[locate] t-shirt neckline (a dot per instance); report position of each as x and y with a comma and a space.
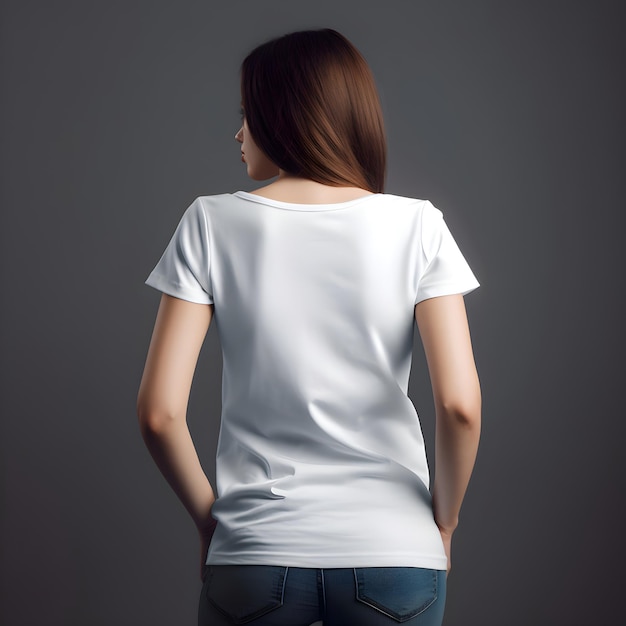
246, 195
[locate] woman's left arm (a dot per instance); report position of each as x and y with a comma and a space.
178, 335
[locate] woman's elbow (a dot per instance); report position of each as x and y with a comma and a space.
463, 410
153, 423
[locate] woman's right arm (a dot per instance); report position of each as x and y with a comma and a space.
443, 327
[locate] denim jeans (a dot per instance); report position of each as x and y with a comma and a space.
269, 595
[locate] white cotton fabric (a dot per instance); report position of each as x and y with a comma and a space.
320, 459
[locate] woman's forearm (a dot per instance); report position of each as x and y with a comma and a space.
456, 445
171, 446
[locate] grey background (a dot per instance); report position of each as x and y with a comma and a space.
115, 115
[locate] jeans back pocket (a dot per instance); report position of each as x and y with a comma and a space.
245, 592
399, 592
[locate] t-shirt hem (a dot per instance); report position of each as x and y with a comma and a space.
327, 562
162, 283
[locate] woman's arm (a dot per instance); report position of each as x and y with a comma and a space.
444, 330
179, 332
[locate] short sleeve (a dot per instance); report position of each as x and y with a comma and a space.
445, 271
183, 270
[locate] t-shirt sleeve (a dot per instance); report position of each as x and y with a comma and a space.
445, 271
183, 270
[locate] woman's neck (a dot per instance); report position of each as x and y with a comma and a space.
288, 188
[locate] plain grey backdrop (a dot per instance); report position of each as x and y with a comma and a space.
508, 116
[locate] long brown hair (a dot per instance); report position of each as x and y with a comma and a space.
312, 107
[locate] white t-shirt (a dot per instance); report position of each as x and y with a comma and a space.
320, 459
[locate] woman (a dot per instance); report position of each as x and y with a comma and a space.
315, 282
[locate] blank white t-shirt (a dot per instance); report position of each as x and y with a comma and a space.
320, 459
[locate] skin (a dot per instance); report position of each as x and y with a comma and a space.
179, 333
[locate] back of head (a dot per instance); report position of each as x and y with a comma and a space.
312, 107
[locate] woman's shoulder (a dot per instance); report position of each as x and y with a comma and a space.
215, 198
211, 203
410, 204
401, 199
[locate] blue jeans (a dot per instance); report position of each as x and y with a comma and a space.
269, 595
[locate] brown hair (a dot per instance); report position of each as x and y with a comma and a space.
312, 107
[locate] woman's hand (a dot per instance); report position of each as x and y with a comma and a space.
206, 534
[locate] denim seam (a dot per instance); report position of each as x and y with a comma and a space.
323, 592
282, 588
